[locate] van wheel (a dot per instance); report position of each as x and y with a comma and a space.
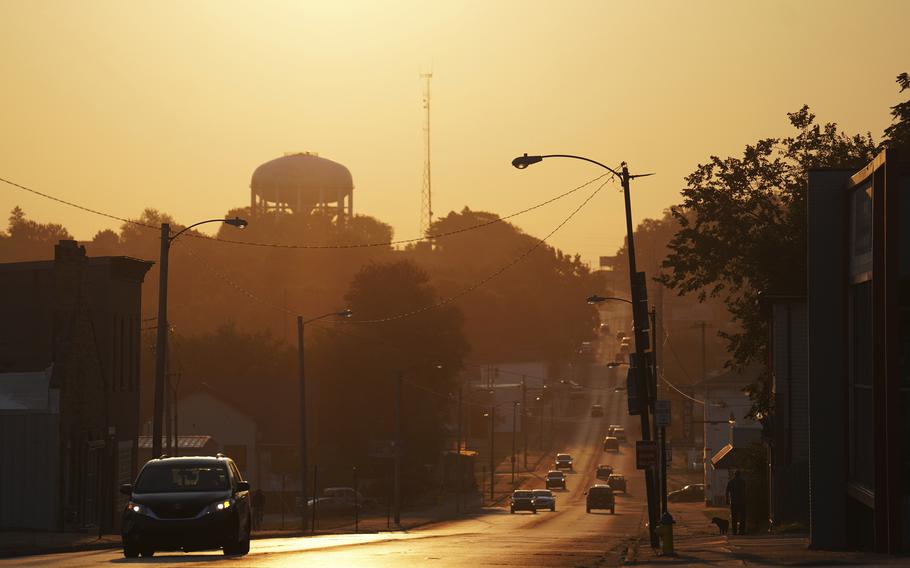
613, 510
553, 509
130, 551
148, 553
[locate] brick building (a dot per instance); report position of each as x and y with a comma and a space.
69, 388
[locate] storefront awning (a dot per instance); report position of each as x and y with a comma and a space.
728, 458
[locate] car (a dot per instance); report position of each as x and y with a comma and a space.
544, 499
563, 461
341, 501
600, 497
612, 428
617, 481
597, 411
620, 434
556, 478
522, 500
611, 444
187, 503
605, 328
604, 471
689, 494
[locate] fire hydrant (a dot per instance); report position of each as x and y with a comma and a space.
665, 531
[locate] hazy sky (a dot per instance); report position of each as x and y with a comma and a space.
124, 105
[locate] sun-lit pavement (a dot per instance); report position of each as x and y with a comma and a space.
568, 537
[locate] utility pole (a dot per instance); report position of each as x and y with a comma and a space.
524, 418
458, 472
492, 453
304, 464
640, 319
161, 341
704, 352
514, 425
662, 430
397, 486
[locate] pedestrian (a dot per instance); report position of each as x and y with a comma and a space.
736, 498
258, 507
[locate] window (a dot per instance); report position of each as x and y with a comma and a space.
861, 232
237, 453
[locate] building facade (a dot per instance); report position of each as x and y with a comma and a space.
70, 349
859, 355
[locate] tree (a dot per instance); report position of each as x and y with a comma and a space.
353, 367
29, 240
743, 228
897, 135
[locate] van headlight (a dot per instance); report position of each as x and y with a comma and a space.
221, 505
134, 507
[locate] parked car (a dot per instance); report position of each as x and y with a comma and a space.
556, 478
563, 461
341, 501
187, 503
544, 499
600, 497
522, 500
604, 471
611, 444
620, 434
617, 481
689, 494
597, 411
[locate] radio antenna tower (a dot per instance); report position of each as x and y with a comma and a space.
426, 194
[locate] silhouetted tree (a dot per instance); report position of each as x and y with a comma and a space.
29, 240
354, 367
897, 135
743, 228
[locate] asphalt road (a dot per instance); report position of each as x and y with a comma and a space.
568, 537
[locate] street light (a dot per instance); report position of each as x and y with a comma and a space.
304, 464
639, 313
161, 341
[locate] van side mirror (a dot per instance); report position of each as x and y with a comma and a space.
243, 486
126, 489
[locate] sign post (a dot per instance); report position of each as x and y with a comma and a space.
662, 420
646, 454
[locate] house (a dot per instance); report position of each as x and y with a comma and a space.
858, 347
205, 413
69, 388
727, 433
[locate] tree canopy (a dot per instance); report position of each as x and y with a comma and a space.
742, 227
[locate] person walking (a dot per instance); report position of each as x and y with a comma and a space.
736, 498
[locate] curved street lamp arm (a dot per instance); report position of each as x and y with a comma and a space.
598, 299
595, 162
185, 229
343, 313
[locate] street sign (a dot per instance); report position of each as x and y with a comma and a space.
646, 453
662, 413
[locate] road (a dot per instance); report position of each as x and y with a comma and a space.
568, 537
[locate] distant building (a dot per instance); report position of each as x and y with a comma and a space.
69, 389
726, 431
859, 351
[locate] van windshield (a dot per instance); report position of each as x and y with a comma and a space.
182, 477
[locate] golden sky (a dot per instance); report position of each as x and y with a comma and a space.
124, 105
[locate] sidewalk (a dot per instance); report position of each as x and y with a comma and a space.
697, 543
27, 543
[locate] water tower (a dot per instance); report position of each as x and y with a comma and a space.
302, 183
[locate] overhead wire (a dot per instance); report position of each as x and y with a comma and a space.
485, 280
314, 246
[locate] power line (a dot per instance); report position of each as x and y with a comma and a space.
485, 280
315, 246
